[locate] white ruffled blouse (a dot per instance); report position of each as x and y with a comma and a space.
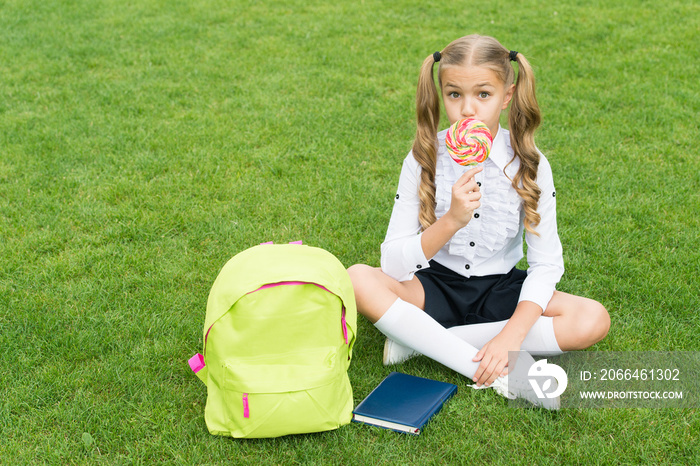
492, 242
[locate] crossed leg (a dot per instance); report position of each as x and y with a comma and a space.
397, 310
375, 291
578, 322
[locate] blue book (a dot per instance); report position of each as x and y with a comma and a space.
404, 403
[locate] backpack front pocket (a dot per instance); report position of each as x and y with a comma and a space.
298, 392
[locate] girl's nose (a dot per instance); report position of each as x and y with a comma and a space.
467, 108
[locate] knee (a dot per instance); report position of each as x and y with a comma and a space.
358, 273
360, 276
595, 322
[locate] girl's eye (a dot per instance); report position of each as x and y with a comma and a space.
454, 95
484, 94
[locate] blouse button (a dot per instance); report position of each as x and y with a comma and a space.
476, 215
467, 267
472, 244
397, 196
478, 183
419, 266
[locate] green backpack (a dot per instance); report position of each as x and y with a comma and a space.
278, 336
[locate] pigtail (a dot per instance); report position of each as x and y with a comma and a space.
424, 146
523, 120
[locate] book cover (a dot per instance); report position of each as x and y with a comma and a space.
403, 402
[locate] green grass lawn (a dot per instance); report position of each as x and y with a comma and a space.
144, 143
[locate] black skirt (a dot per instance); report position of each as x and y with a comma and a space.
453, 299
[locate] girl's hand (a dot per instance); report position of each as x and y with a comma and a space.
494, 358
465, 198
494, 354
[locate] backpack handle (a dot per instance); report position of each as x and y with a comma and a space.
291, 242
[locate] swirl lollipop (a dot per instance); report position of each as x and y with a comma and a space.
468, 141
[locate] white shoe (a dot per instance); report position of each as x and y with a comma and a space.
517, 385
394, 353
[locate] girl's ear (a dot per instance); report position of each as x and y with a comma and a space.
508, 96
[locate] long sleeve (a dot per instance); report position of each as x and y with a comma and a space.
402, 253
544, 252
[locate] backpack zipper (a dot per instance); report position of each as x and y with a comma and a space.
343, 322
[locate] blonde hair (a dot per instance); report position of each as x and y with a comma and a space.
523, 120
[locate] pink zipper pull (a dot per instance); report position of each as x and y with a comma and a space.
246, 409
196, 363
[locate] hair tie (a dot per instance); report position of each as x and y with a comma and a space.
437, 56
513, 55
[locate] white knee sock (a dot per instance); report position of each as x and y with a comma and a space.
540, 340
409, 326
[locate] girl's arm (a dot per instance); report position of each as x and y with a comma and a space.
402, 253
544, 251
406, 249
465, 200
546, 266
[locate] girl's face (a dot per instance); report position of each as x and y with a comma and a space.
474, 92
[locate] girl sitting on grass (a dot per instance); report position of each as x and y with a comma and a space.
448, 287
